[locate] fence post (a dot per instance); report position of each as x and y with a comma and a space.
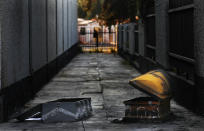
126, 37
122, 38
141, 38
119, 38
131, 38
199, 52
161, 20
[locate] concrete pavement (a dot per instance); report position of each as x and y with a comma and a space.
104, 78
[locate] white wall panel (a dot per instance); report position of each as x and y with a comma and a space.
65, 28
52, 33
75, 22
38, 37
69, 22
60, 27
33, 41
15, 41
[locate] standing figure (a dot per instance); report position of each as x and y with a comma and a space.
96, 36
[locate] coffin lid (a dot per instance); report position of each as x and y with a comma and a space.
154, 83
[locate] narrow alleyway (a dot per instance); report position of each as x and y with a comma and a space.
104, 78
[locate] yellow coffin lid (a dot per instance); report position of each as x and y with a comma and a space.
154, 83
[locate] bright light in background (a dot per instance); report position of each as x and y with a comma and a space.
137, 17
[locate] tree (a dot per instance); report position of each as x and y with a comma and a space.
119, 10
85, 5
112, 11
88, 9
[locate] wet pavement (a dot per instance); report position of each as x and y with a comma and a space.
104, 78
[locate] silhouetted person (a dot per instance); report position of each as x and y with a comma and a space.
96, 36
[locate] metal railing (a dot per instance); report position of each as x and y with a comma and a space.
136, 36
150, 31
181, 38
179, 3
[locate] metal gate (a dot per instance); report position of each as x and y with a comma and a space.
150, 30
107, 42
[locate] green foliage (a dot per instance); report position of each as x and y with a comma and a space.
112, 11
81, 13
85, 5
119, 10
132, 10
88, 9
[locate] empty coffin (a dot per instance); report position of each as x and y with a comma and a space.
63, 110
157, 106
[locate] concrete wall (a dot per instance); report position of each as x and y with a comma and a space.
60, 41
1, 98
199, 52
72, 22
34, 32
15, 41
0, 55
119, 37
124, 42
75, 22
72, 12
33, 43
132, 38
1, 13
69, 23
162, 7
65, 12
141, 38
38, 34
52, 29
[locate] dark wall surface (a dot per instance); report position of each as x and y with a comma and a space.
179, 48
34, 47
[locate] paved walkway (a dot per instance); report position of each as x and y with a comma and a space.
104, 78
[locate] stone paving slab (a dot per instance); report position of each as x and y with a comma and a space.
104, 78
38, 126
